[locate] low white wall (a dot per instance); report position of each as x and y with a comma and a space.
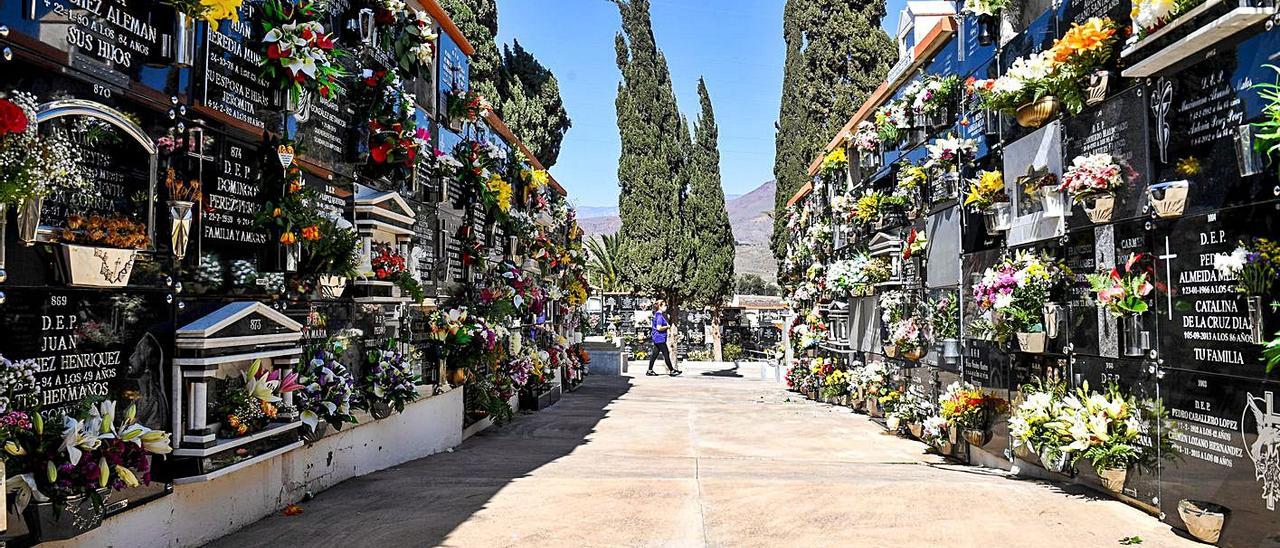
198, 513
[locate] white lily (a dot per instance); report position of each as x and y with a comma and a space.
75, 438
157, 442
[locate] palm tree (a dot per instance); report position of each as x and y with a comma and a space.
601, 269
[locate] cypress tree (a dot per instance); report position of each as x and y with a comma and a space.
478, 21
836, 55
711, 279
653, 240
531, 103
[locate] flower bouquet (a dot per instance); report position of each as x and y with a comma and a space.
1037, 426
300, 57
934, 100
1255, 268
33, 166
328, 388
910, 337
946, 156
986, 195
890, 121
466, 107
415, 45
970, 410
389, 382
872, 381
394, 138
866, 140
390, 265
1104, 428
835, 162
835, 386
248, 404
1012, 294
935, 432
945, 324
1122, 291
1093, 180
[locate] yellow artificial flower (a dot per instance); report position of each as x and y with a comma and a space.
221, 9
541, 178
836, 159
501, 191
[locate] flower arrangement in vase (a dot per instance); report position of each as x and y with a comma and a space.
394, 138
1012, 295
99, 251
867, 142
32, 165
389, 265
467, 107
1122, 291
890, 121
415, 44
934, 99
945, 324
1035, 87
389, 382
249, 403
321, 246
300, 57
986, 195
835, 162
910, 337
987, 12
1254, 267
1093, 180
970, 411
1104, 428
209, 11
182, 199
946, 156
325, 399
1036, 425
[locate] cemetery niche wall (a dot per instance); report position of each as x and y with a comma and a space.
210, 259
1106, 174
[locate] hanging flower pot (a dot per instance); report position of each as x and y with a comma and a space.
998, 218
1036, 113
1168, 199
312, 435
180, 227
1257, 333
915, 354
1204, 520
873, 407
1100, 208
953, 434
1113, 479
87, 266
29, 219
1058, 462
893, 422
977, 438
916, 429
951, 351
1098, 84
1052, 202
331, 287
943, 446
890, 350
1051, 319
988, 29
1031, 343
1135, 339
380, 410
51, 521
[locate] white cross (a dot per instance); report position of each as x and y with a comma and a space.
1168, 276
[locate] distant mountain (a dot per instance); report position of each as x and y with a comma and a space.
750, 215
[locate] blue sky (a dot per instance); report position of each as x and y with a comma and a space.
736, 45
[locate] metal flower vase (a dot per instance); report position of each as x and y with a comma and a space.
1257, 329
29, 219
1099, 83
312, 435
60, 521
292, 256
998, 218
180, 213
380, 410
988, 29
1136, 339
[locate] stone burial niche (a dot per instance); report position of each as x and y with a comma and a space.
385, 221
229, 411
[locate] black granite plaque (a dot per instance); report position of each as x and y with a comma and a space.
1227, 433
233, 198
1117, 127
1135, 378
325, 135
231, 80
1204, 322
117, 164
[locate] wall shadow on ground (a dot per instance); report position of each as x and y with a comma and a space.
421, 502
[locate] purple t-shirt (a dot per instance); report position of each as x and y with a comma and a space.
659, 319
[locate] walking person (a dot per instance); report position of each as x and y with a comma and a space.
660, 327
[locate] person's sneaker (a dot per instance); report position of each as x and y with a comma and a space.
650, 373
676, 373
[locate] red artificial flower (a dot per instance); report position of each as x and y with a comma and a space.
12, 118
379, 153
396, 127
307, 34
273, 52
324, 42
410, 150
324, 91
300, 77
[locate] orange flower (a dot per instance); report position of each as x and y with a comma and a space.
1084, 38
295, 185
292, 510
288, 238
311, 233
277, 212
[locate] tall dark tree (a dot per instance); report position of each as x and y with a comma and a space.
836, 55
711, 276
654, 237
531, 103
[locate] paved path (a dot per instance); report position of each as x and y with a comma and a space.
714, 458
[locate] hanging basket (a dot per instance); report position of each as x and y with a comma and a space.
1100, 209
977, 438
1204, 520
60, 521
1113, 479
1168, 199
1031, 343
1036, 113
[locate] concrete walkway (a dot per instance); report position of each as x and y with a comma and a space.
714, 458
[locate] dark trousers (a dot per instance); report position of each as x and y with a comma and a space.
660, 347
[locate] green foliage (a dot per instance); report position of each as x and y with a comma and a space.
836, 55
478, 21
531, 104
711, 280
654, 241
753, 284
1271, 353
732, 352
